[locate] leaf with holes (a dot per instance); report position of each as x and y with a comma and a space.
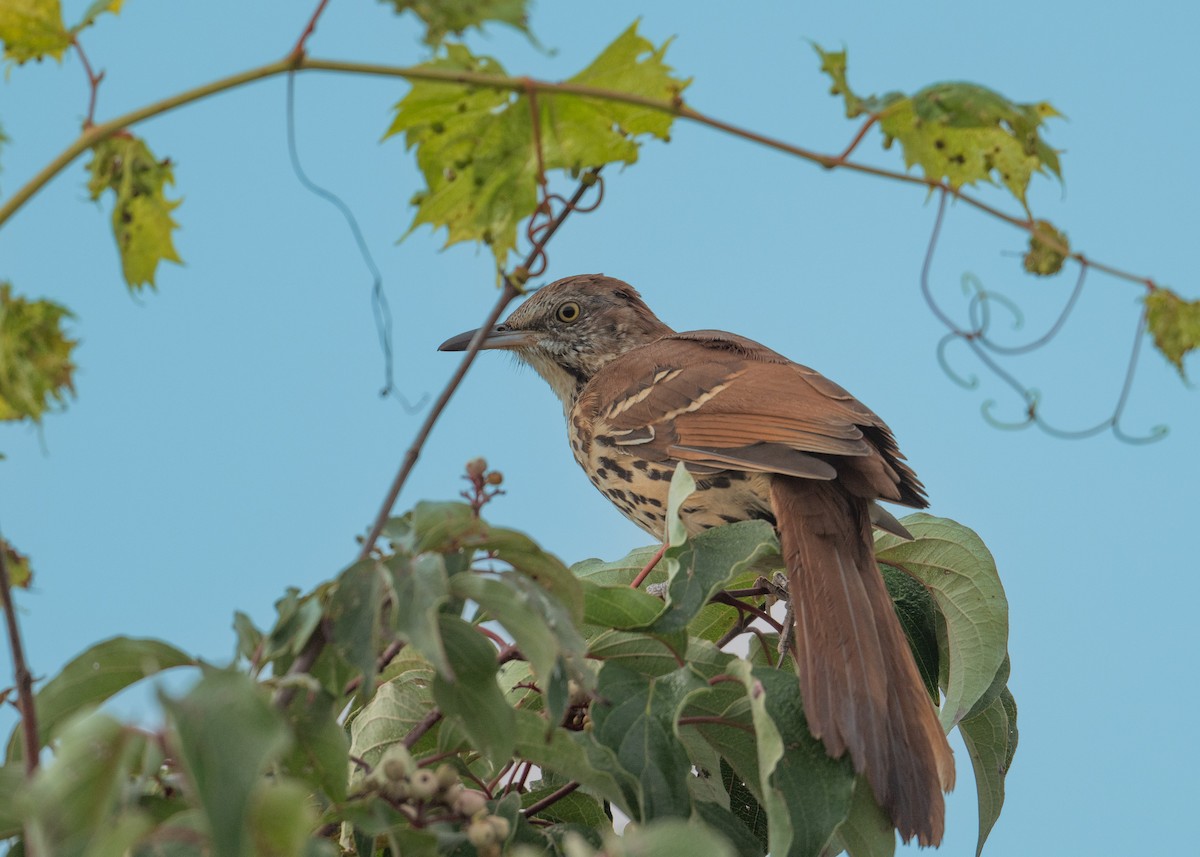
36, 372
445, 17
1175, 325
96, 675
32, 29
141, 218
476, 146
1048, 249
991, 739
957, 568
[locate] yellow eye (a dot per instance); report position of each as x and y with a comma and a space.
568, 312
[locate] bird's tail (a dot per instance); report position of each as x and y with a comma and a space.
858, 681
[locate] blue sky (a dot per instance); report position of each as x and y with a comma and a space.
228, 441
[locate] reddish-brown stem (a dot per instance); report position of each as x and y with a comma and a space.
645, 572
858, 138
21, 673
493, 636
719, 721
297, 53
417, 732
500, 775
550, 799
381, 663
93, 80
762, 641
722, 598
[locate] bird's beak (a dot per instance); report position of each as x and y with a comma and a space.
498, 337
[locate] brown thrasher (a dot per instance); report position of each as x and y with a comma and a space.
769, 439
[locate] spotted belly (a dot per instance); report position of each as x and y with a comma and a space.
639, 487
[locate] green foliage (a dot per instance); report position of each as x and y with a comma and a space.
477, 150
1048, 249
991, 739
36, 371
443, 17
1175, 325
141, 218
32, 29
20, 573
960, 132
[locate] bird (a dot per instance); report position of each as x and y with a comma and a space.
768, 439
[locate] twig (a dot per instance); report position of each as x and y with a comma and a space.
381, 663
417, 732
550, 799
858, 138
21, 673
93, 82
298, 51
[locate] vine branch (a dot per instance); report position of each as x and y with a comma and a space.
21, 674
93, 80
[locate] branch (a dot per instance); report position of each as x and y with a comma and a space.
93, 82
676, 107
22, 676
550, 799
297, 53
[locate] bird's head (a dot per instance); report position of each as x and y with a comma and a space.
567, 331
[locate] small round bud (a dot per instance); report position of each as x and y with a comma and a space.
500, 825
449, 795
394, 768
476, 467
446, 775
495, 477
469, 802
397, 790
422, 784
480, 833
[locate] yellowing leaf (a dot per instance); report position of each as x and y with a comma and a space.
443, 17
1045, 258
32, 29
1175, 325
17, 565
35, 357
142, 223
475, 146
98, 8
960, 132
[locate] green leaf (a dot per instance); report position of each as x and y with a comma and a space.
476, 149
13, 789
443, 17
142, 222
474, 690
960, 132
957, 568
32, 29
573, 808
619, 606
621, 571
745, 806
635, 716
297, 618
94, 676
806, 793
576, 756
642, 653
991, 739
397, 706
281, 816
227, 734
422, 587
20, 575
669, 838
916, 610
539, 626
704, 565
94, 11
1175, 325
36, 372
249, 638
731, 828
867, 831
354, 613
1048, 249
319, 751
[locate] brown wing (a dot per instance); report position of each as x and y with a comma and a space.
719, 401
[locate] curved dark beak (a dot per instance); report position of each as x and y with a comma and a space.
498, 337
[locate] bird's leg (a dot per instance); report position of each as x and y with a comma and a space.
778, 587
644, 573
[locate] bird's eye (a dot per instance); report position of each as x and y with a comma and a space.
568, 312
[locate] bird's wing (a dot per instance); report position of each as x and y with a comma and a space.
720, 401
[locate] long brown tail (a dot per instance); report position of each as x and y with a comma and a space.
859, 683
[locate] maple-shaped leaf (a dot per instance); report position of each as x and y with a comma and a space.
98, 8
1175, 325
1048, 249
142, 222
960, 132
443, 17
17, 565
475, 145
32, 29
35, 356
